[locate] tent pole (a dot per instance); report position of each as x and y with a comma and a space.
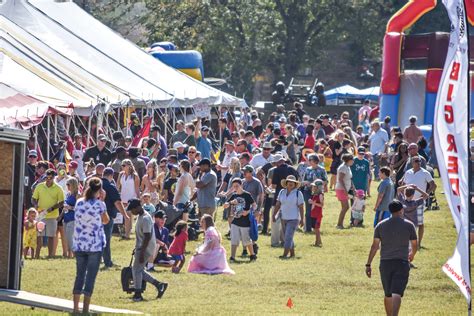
48, 126
166, 124
55, 125
89, 126
36, 136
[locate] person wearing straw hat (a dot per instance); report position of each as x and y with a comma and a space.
290, 207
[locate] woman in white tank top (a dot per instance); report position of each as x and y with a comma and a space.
128, 185
184, 186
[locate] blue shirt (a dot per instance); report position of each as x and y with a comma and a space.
89, 233
204, 146
162, 235
163, 150
112, 195
71, 201
386, 187
360, 173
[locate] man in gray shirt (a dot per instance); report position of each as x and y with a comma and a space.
253, 186
394, 236
144, 249
386, 193
207, 187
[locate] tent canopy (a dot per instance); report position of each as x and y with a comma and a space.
100, 52
24, 111
348, 91
50, 66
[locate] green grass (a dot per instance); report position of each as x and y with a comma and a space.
328, 280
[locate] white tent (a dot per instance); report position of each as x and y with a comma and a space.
19, 44
31, 79
106, 55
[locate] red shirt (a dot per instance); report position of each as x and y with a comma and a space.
178, 246
316, 211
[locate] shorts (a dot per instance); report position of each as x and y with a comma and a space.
357, 215
50, 228
182, 207
394, 275
419, 215
341, 195
207, 210
316, 222
238, 234
380, 216
178, 257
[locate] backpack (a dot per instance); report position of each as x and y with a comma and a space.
253, 226
127, 278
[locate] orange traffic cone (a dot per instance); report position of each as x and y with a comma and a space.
289, 303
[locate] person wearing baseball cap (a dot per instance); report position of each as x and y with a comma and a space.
114, 205
162, 241
360, 170
72, 168
100, 153
206, 188
203, 143
144, 249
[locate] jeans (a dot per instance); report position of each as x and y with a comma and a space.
267, 206
138, 272
106, 253
87, 266
307, 197
376, 159
289, 229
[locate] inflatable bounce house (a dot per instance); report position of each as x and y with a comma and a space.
186, 61
413, 92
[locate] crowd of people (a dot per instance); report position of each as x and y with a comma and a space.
270, 174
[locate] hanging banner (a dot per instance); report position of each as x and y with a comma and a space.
202, 110
451, 141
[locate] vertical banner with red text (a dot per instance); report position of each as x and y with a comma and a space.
451, 141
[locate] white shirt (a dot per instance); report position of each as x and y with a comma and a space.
290, 204
347, 181
259, 161
358, 205
377, 141
227, 158
421, 179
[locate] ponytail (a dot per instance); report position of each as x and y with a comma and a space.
94, 185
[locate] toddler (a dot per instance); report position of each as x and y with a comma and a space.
358, 208
147, 205
178, 246
30, 233
317, 202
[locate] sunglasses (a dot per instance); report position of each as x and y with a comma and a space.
191, 152
417, 161
267, 149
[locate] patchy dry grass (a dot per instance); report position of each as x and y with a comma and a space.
328, 280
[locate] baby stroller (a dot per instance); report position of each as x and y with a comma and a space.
193, 221
173, 215
432, 202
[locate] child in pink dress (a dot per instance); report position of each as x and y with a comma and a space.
210, 257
